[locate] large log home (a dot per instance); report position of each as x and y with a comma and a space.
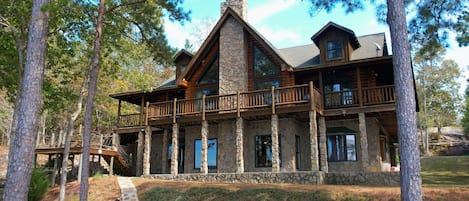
240, 105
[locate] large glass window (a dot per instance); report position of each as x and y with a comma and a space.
263, 150
341, 148
210, 75
263, 66
211, 154
334, 49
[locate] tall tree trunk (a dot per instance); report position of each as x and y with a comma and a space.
22, 150
411, 183
92, 85
20, 41
68, 138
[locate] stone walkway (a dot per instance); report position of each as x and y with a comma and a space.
128, 190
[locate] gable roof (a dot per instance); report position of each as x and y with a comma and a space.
182, 53
331, 25
215, 33
373, 45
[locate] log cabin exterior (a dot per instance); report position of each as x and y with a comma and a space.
241, 105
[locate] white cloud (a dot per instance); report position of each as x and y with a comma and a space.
258, 14
175, 33
280, 36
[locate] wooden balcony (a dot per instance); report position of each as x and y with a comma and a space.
269, 101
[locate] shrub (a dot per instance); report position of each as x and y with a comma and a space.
39, 184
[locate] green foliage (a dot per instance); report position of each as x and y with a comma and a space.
433, 22
465, 119
429, 28
39, 184
437, 89
221, 194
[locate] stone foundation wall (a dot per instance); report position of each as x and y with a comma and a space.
364, 178
300, 177
250, 177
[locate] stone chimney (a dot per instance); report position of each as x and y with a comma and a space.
239, 6
233, 75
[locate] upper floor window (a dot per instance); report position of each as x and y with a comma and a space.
334, 49
263, 66
210, 76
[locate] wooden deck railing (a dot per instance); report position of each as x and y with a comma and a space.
239, 102
130, 120
379, 95
263, 99
350, 98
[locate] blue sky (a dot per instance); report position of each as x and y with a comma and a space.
287, 23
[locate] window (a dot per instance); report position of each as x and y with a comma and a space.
210, 76
207, 92
334, 49
263, 149
341, 148
211, 154
266, 84
263, 66
338, 94
266, 73
297, 151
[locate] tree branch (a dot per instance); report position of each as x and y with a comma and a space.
123, 5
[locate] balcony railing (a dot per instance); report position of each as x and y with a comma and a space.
239, 102
130, 120
379, 95
275, 98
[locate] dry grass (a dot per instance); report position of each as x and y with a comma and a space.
337, 192
100, 189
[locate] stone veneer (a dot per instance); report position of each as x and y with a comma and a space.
314, 177
239, 6
372, 162
232, 59
300, 177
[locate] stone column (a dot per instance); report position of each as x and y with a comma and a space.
313, 140
175, 146
323, 145
275, 146
164, 152
239, 145
363, 142
147, 151
111, 166
138, 166
204, 150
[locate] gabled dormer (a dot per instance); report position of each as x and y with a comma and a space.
336, 43
181, 60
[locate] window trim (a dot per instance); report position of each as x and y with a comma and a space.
341, 46
345, 147
216, 154
267, 78
256, 165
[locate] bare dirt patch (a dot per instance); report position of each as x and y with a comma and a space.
102, 188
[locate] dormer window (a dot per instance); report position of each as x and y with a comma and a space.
334, 49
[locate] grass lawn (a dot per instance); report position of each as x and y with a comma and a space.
445, 171
444, 178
